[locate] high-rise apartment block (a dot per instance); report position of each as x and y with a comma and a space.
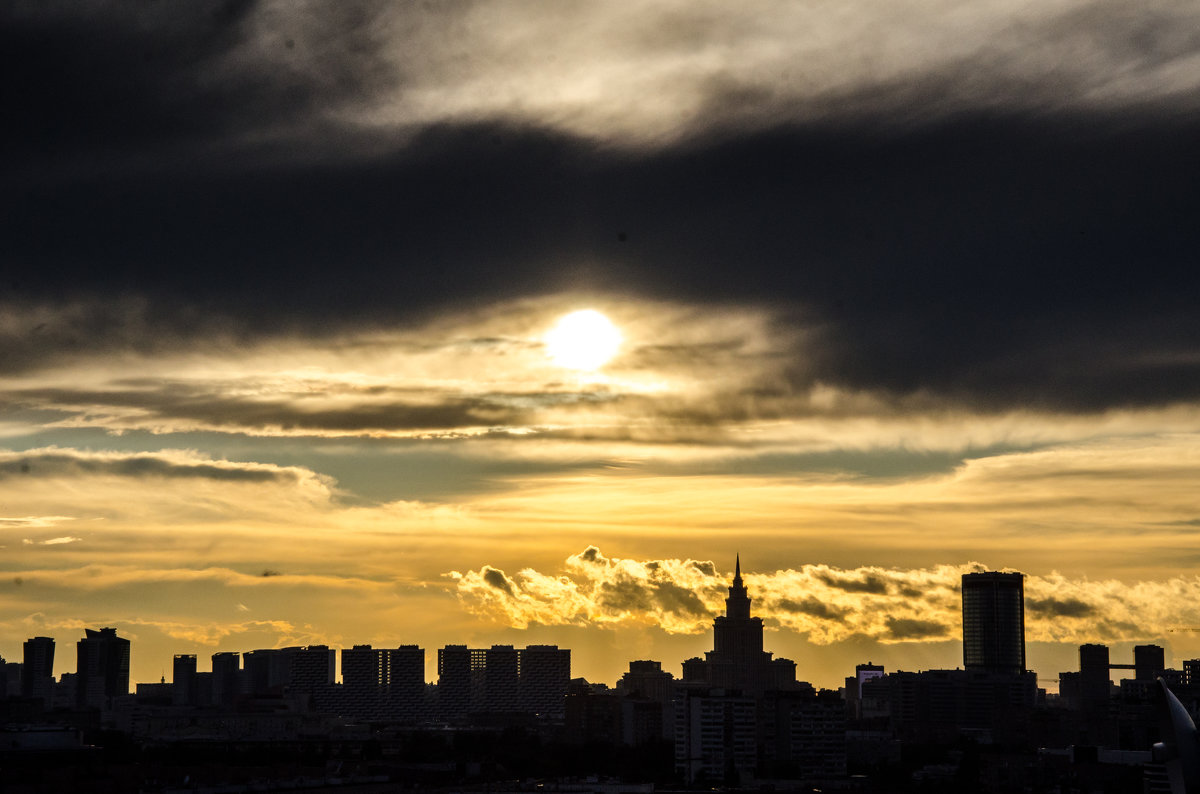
383, 682
503, 680
544, 672
226, 675
1149, 661
37, 669
715, 736
183, 679
102, 670
310, 667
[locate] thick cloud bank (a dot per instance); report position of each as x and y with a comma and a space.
825, 604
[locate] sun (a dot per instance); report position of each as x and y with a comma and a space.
584, 340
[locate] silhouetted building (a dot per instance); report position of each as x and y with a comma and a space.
37, 669
646, 710
737, 660
854, 684
102, 669
1191, 672
271, 672
454, 683
939, 706
803, 736
158, 693
502, 683
496, 675
1095, 683
266, 671
406, 666
592, 713
716, 735
310, 668
383, 683
993, 607
10, 679
226, 669
545, 671
183, 679
1149, 661
646, 679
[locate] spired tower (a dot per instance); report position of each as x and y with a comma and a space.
737, 637
737, 660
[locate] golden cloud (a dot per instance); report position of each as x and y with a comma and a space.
824, 604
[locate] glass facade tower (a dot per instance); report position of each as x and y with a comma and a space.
993, 607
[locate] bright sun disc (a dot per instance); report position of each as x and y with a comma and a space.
585, 339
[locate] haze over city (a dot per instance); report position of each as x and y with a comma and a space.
291, 352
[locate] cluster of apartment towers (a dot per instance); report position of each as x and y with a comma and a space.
377, 683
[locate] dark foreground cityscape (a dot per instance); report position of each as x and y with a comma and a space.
513, 719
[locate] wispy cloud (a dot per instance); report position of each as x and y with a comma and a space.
53, 462
110, 576
33, 521
362, 67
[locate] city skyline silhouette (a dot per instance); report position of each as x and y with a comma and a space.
739, 716
357, 323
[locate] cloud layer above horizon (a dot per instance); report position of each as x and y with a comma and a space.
821, 603
901, 288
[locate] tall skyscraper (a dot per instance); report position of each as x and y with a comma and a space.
406, 665
37, 669
1149, 661
226, 666
102, 670
1095, 682
545, 672
993, 607
497, 674
454, 682
183, 679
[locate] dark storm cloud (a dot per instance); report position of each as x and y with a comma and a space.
90, 80
991, 257
134, 84
992, 264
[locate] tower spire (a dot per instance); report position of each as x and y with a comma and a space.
738, 603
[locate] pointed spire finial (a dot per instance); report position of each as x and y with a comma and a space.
737, 605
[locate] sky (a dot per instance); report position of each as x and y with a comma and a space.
903, 290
